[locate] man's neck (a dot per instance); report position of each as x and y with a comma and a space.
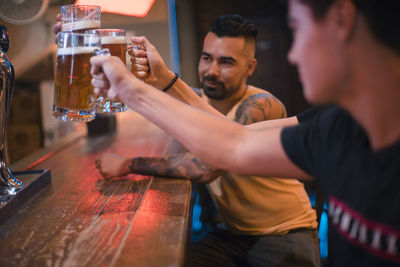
374, 98
225, 105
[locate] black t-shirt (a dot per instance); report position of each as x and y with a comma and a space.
362, 187
308, 114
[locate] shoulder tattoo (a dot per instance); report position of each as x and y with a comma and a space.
258, 107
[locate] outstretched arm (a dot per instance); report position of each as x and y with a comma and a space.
214, 139
186, 165
148, 65
183, 165
280, 123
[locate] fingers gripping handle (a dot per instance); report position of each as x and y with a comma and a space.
100, 52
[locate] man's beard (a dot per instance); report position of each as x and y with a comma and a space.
218, 92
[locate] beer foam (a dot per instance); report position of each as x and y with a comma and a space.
113, 40
81, 25
91, 39
75, 50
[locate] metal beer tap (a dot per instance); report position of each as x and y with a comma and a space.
13, 193
9, 185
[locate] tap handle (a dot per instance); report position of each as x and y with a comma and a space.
9, 73
4, 40
9, 92
9, 185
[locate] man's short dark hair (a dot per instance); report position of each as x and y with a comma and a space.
234, 26
381, 16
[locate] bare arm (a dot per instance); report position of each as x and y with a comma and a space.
184, 165
216, 140
284, 122
148, 65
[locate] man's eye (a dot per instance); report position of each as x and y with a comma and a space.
229, 63
207, 59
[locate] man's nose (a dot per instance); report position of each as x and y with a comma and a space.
213, 69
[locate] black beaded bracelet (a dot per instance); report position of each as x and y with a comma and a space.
172, 82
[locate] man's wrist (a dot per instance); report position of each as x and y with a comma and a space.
166, 80
171, 83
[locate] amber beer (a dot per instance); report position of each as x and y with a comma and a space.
114, 40
73, 93
74, 99
116, 44
117, 47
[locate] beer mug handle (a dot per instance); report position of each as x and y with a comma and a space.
100, 52
139, 74
131, 46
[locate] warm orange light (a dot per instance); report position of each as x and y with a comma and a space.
137, 8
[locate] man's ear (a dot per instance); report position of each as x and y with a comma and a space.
345, 15
252, 66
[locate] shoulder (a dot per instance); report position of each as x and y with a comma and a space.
323, 132
259, 105
334, 120
324, 144
328, 122
309, 113
306, 143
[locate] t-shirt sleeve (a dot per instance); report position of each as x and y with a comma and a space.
295, 143
308, 114
311, 144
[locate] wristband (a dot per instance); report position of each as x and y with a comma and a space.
171, 83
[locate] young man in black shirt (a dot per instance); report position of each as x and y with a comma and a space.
348, 54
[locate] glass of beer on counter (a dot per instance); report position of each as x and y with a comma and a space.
114, 40
78, 18
74, 99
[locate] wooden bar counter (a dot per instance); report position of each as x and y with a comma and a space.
82, 219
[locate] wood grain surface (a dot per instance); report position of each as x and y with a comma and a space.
82, 219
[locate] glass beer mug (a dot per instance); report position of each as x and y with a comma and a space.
74, 99
78, 18
114, 40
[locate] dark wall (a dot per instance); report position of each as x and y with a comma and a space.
24, 131
273, 72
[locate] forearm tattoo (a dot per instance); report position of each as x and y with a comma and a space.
184, 165
255, 108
